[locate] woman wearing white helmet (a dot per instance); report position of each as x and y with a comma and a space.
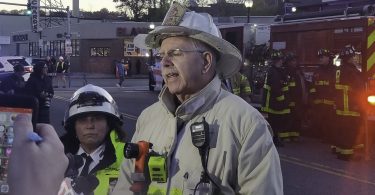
93, 124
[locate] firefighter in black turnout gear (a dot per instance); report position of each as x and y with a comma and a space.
322, 98
297, 95
349, 87
275, 103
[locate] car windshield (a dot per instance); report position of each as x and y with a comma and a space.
18, 61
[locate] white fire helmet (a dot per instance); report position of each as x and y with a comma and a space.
91, 98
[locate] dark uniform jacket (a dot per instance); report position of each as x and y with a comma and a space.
42, 89
275, 91
13, 84
323, 87
297, 87
349, 90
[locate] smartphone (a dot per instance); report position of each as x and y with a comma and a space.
10, 107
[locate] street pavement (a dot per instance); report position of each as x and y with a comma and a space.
108, 81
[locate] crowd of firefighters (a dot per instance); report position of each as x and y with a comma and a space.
330, 104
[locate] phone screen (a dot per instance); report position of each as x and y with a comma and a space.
7, 117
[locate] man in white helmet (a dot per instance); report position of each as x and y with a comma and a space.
211, 141
93, 125
61, 69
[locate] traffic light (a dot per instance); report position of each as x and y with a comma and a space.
28, 11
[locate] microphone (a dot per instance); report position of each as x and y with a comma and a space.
85, 184
75, 162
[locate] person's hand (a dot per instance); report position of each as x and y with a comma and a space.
36, 168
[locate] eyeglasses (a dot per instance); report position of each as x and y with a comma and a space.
175, 53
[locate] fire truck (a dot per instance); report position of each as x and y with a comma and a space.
306, 36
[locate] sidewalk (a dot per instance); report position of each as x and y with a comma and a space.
77, 80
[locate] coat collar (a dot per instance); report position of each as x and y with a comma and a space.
196, 104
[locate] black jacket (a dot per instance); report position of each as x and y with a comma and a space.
13, 84
41, 88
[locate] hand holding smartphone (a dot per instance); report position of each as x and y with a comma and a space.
10, 107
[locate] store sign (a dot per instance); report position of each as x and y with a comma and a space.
68, 47
18, 38
35, 15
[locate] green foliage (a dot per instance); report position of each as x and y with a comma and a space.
135, 9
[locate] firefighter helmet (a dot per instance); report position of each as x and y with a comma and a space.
277, 55
325, 52
290, 56
347, 51
89, 99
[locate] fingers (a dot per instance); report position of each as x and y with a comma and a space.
48, 133
22, 126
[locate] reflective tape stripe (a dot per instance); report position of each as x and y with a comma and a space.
294, 134
292, 84
283, 135
324, 101
328, 102
359, 146
286, 88
267, 108
158, 190
292, 104
247, 89
370, 41
346, 111
346, 151
322, 83
236, 91
312, 90
272, 111
338, 76
280, 98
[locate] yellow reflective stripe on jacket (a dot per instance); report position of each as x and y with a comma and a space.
359, 146
247, 89
286, 88
324, 101
158, 190
236, 91
312, 90
294, 134
280, 98
292, 84
105, 176
272, 111
283, 135
338, 76
267, 107
346, 151
292, 104
346, 111
322, 83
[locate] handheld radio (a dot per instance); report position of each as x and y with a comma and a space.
200, 134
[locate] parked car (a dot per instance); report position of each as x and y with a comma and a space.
156, 81
33, 61
7, 63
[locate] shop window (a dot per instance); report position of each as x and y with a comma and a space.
100, 51
75, 47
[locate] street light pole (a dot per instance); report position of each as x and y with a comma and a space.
248, 5
248, 15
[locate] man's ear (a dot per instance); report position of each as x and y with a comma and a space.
208, 59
